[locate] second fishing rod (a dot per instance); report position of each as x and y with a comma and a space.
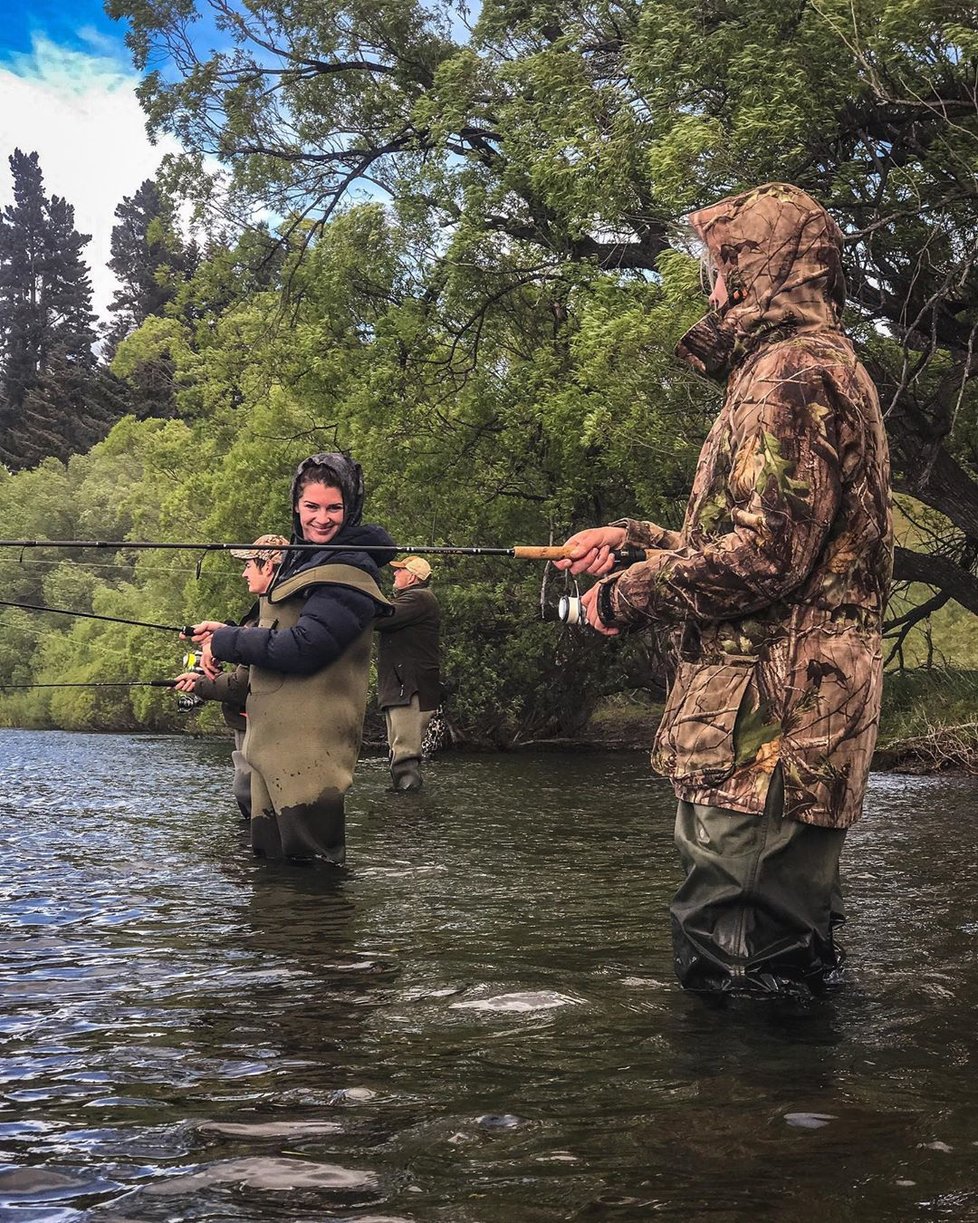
190, 659
527, 552
185, 630
569, 608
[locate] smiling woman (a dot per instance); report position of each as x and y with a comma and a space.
320, 510
308, 659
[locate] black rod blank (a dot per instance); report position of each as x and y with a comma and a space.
64, 611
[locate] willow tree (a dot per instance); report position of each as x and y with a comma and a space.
491, 458
555, 144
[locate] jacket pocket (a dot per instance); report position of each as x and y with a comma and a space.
695, 741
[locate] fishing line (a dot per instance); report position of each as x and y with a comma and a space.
128, 565
129, 683
42, 636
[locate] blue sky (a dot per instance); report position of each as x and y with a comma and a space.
67, 90
79, 26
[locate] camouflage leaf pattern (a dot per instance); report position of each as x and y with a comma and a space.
776, 585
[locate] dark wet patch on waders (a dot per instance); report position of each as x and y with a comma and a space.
303, 830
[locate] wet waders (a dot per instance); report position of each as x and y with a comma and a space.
761, 898
406, 725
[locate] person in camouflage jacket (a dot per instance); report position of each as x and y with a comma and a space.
774, 590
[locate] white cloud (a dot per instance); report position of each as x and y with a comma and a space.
79, 112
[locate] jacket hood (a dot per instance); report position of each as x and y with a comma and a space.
780, 254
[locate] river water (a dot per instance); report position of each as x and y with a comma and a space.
478, 1024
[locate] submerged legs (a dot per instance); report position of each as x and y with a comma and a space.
759, 903
241, 785
301, 832
406, 725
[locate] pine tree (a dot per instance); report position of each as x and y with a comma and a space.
67, 288
149, 258
22, 259
54, 398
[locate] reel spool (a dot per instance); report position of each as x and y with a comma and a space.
570, 610
187, 701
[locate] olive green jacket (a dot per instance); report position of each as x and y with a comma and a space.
775, 586
230, 687
407, 650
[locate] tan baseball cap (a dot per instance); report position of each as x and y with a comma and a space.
265, 548
416, 565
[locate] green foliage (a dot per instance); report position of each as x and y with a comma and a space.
566, 425
916, 701
151, 261
494, 340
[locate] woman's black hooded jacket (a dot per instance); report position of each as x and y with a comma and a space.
333, 616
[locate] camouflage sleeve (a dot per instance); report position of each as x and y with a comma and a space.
647, 534
781, 496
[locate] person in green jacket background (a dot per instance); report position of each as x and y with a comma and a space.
408, 668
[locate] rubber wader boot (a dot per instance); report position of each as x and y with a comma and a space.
314, 830
301, 833
760, 901
406, 774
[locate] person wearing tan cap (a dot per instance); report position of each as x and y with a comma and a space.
261, 560
408, 679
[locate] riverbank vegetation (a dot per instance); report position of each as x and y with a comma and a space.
473, 280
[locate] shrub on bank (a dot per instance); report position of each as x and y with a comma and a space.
929, 721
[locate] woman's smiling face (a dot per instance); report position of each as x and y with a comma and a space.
321, 512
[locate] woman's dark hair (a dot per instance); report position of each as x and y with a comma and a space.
335, 471
316, 473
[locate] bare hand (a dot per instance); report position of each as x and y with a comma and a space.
589, 601
203, 631
592, 551
209, 664
186, 682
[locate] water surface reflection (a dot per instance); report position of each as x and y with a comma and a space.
477, 1023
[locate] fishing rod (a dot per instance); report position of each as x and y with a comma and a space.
186, 701
131, 683
186, 630
527, 552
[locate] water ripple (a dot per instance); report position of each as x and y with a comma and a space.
478, 1023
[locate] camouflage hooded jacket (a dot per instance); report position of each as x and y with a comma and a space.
776, 584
